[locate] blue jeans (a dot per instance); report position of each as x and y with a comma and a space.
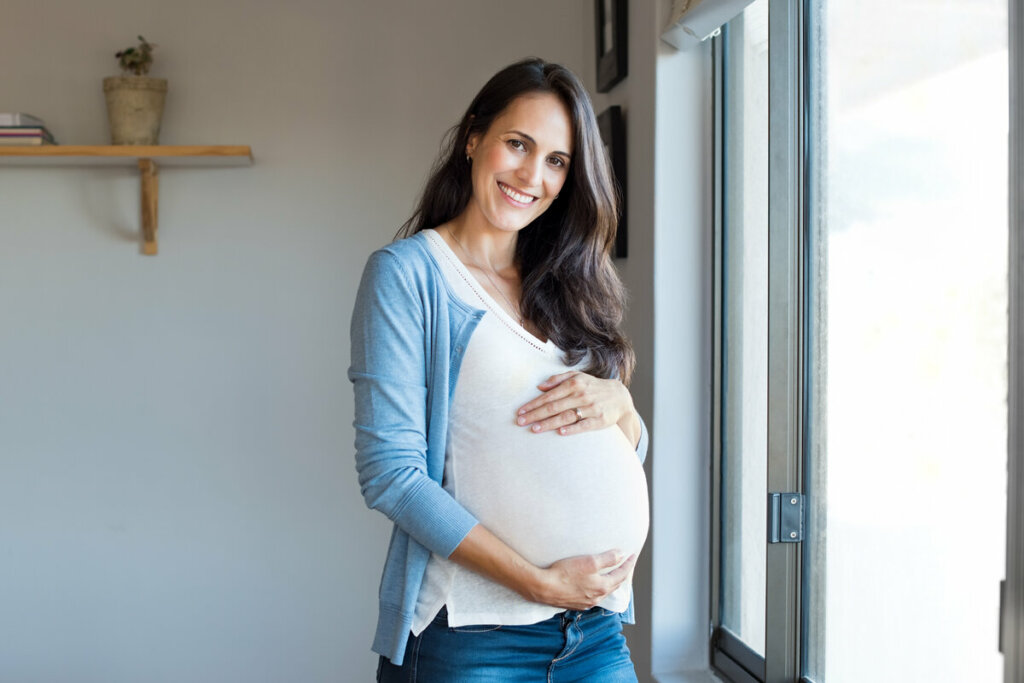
571, 646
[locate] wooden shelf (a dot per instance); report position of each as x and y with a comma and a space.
95, 155
145, 157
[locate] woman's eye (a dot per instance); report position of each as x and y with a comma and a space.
516, 144
557, 162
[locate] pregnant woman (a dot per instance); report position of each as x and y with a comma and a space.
493, 423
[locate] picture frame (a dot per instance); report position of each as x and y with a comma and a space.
613, 134
611, 30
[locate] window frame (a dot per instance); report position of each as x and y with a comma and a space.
1012, 622
729, 656
789, 347
786, 328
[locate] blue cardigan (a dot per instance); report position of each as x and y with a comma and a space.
409, 334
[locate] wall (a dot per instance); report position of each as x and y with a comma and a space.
667, 105
177, 495
682, 390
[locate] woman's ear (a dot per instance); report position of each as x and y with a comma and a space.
471, 138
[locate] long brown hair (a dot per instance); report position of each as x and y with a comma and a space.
570, 290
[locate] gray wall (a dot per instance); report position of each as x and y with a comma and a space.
177, 496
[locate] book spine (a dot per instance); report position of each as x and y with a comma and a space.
14, 142
20, 132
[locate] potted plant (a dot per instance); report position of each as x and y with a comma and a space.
135, 103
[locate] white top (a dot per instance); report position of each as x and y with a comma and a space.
547, 496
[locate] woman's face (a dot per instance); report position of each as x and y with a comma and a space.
520, 164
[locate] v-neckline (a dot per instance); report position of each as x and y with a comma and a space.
485, 297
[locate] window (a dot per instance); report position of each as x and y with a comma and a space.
862, 321
744, 343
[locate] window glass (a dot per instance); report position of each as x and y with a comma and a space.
908, 280
745, 326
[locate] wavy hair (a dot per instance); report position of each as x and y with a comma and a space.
570, 290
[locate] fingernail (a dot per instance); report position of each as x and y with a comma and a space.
521, 420
536, 428
522, 411
561, 430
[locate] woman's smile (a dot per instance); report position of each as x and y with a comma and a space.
517, 198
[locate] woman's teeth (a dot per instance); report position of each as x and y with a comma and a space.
521, 198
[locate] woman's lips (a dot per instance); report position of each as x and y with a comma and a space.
515, 195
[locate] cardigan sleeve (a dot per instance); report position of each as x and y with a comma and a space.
389, 376
645, 439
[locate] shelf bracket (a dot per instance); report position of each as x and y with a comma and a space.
149, 182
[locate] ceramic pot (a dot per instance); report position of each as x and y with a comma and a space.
135, 106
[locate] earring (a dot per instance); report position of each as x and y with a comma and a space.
469, 159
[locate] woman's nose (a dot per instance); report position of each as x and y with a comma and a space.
531, 171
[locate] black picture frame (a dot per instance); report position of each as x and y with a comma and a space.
613, 134
611, 29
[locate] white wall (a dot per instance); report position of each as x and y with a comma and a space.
682, 389
177, 495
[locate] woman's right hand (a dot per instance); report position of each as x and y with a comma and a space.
578, 583
582, 582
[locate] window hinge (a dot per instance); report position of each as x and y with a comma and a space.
785, 517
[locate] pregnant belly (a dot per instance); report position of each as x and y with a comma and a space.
551, 497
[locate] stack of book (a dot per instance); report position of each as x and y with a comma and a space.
24, 129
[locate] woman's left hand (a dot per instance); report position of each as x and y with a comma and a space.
574, 402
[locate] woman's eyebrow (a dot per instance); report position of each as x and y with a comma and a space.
534, 142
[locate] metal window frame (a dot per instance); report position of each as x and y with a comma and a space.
1012, 623
815, 350
786, 342
718, 77
734, 658
786, 373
